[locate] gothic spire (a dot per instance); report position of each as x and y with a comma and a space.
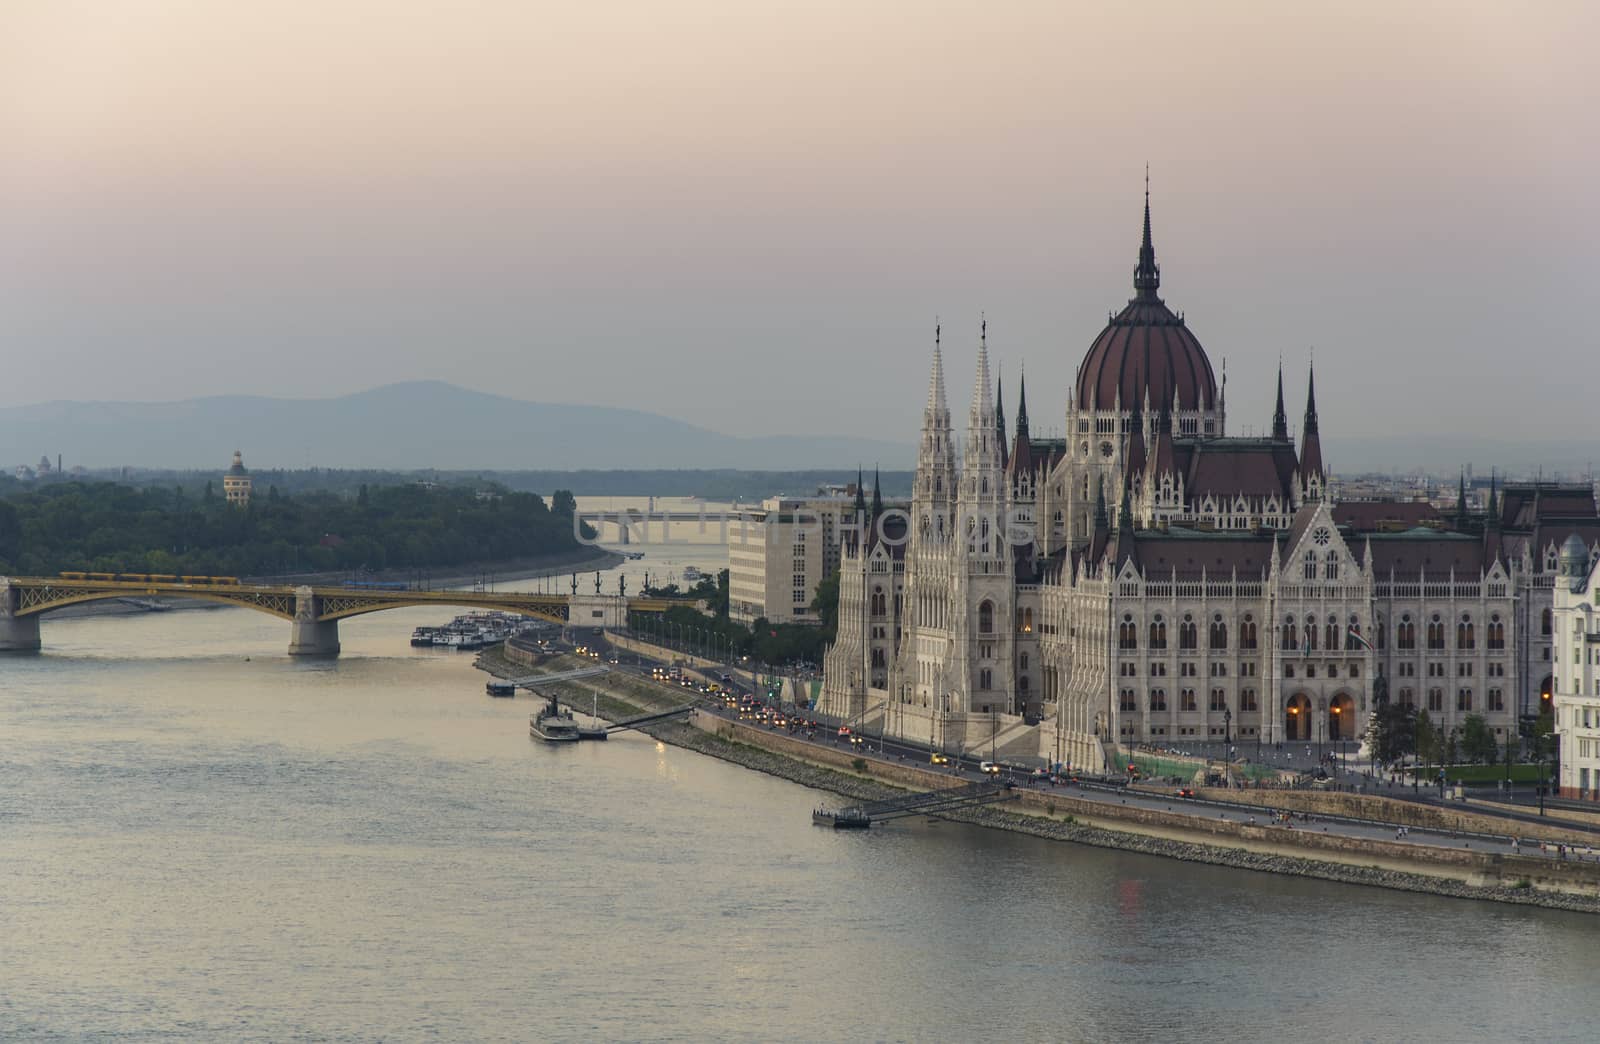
936, 400
1022, 405
1492, 514
1310, 441
1125, 511
1461, 501
1147, 277
1100, 521
1310, 425
1000, 410
877, 493
861, 497
1280, 419
982, 396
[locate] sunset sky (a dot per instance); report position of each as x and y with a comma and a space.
748, 214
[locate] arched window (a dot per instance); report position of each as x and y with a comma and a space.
1310, 640
879, 605
1027, 621
1497, 632
1158, 633
1247, 632
1464, 636
1126, 702
1289, 635
1186, 701
1350, 634
986, 619
1435, 633
1311, 565
1330, 635
1405, 635
1463, 699
1188, 634
1158, 699
1332, 570
1219, 633
1127, 633
984, 678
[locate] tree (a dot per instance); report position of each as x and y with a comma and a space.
1478, 744
1427, 738
1392, 732
826, 604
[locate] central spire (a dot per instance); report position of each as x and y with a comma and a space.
1147, 277
1022, 405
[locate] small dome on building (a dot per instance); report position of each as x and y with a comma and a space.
236, 482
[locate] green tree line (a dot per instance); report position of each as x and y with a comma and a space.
111, 527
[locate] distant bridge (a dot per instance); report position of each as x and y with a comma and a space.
313, 612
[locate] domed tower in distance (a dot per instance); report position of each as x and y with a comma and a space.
236, 482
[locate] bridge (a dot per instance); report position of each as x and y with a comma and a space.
313, 612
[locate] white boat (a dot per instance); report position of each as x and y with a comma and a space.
553, 725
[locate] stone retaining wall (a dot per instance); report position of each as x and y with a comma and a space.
1393, 810
1463, 873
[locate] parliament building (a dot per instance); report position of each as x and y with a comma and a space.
1150, 579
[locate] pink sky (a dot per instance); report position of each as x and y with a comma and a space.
762, 206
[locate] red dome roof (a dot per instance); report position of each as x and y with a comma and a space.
1146, 347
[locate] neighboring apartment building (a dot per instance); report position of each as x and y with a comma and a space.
779, 554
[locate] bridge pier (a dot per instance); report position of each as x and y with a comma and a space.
17, 633
311, 636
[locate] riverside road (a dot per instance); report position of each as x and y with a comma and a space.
966, 769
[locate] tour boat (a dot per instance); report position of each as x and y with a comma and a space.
553, 725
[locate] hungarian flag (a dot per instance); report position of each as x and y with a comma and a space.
1360, 640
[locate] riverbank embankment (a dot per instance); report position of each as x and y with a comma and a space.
1461, 873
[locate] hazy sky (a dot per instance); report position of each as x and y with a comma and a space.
748, 213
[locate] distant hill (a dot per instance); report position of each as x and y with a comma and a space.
422, 424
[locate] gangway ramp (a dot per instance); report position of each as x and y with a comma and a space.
925, 803
650, 719
528, 681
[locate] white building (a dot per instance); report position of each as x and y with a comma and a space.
1150, 579
779, 554
1576, 699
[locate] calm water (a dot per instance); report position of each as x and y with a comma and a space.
200, 838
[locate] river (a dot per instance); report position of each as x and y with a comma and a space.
201, 838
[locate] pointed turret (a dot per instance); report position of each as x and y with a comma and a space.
1022, 405
934, 488
936, 399
1163, 461
1491, 517
982, 411
1461, 501
861, 497
1311, 470
877, 494
1101, 523
1147, 276
1136, 447
1280, 419
1125, 509
1000, 411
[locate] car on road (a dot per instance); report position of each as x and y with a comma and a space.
938, 759
989, 768
856, 741
1184, 792
844, 730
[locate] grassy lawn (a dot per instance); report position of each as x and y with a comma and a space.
1483, 773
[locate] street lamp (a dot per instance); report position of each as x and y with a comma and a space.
1336, 726
1227, 725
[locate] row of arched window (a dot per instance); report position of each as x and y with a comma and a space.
1188, 633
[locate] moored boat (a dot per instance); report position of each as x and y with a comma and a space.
501, 688
553, 725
